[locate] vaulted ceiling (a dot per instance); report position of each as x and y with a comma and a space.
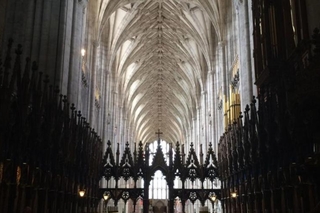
159, 54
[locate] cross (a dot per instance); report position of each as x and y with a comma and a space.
159, 133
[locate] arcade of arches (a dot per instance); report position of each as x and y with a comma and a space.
159, 106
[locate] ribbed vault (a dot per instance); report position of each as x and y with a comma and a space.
159, 53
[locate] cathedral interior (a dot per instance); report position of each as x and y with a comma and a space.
159, 106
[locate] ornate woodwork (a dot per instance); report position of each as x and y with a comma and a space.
137, 166
269, 156
47, 149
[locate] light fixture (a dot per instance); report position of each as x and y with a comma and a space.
82, 192
105, 196
233, 194
213, 198
83, 52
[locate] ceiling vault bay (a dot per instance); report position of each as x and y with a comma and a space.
160, 52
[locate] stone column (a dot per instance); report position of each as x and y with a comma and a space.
218, 118
222, 83
43, 29
74, 75
215, 113
121, 125
125, 132
198, 132
246, 72
210, 106
204, 120
92, 76
115, 118
194, 131
222, 67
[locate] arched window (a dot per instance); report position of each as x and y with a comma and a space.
158, 188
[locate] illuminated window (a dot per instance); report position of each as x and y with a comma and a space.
158, 188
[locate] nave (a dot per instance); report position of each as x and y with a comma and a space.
237, 78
